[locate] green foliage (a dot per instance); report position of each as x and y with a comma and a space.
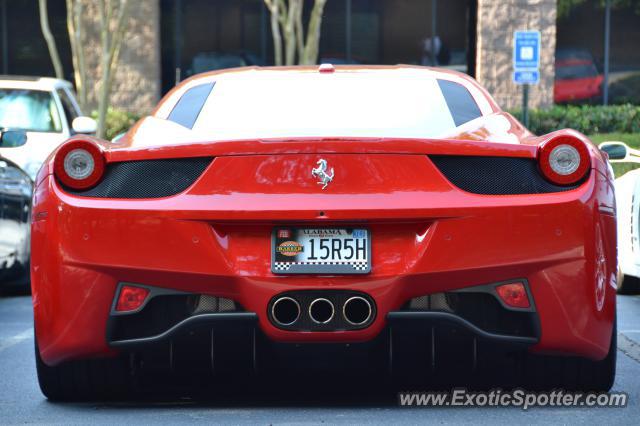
588, 119
625, 89
118, 121
565, 7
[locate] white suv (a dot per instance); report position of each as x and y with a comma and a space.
47, 110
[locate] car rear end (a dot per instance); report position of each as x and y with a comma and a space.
577, 80
305, 253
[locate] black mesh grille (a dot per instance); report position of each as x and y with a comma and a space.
496, 175
147, 178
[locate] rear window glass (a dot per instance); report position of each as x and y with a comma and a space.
461, 105
576, 71
190, 104
338, 105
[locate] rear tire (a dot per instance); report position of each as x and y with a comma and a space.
572, 373
85, 380
628, 284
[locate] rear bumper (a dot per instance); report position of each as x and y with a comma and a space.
477, 311
233, 345
227, 321
426, 320
83, 248
248, 320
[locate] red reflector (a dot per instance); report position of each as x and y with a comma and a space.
326, 68
131, 298
514, 295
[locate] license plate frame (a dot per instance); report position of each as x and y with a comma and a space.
291, 265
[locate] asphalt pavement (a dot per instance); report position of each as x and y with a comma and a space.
21, 401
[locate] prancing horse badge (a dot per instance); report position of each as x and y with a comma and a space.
321, 173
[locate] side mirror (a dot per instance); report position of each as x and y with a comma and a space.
12, 138
84, 125
620, 152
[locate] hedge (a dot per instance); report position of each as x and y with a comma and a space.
588, 119
118, 121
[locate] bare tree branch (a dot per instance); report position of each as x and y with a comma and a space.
287, 27
111, 41
51, 42
273, 6
289, 31
300, 31
82, 63
116, 41
74, 27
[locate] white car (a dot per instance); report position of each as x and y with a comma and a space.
627, 189
47, 110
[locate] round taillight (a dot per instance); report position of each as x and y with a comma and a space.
564, 160
79, 164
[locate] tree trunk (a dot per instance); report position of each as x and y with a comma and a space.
51, 42
111, 43
289, 30
74, 27
274, 11
312, 44
299, 31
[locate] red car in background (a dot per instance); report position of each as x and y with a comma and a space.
376, 223
577, 77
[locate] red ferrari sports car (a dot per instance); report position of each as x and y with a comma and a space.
382, 222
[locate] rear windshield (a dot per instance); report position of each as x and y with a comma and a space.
337, 105
576, 71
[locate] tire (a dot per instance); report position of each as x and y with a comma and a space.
572, 373
628, 284
16, 278
85, 380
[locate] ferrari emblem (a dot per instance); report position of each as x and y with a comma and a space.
321, 173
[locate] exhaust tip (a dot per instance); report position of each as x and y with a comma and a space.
285, 311
357, 310
321, 311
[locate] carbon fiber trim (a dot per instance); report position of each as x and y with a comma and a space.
147, 178
496, 175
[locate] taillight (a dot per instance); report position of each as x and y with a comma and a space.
79, 164
514, 295
131, 298
564, 160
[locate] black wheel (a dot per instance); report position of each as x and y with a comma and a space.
628, 284
572, 373
86, 380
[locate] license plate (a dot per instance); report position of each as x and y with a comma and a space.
321, 251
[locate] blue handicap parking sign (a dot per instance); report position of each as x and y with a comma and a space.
526, 76
526, 49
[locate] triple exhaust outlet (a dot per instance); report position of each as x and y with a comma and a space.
354, 312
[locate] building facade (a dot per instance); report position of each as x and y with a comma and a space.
497, 21
168, 40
